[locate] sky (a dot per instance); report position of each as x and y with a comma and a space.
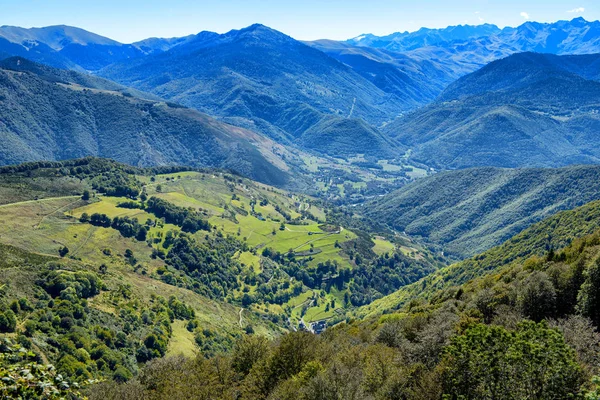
132, 20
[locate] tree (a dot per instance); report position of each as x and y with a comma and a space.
484, 362
247, 300
537, 297
63, 251
86, 195
247, 352
122, 374
141, 234
84, 218
8, 321
588, 300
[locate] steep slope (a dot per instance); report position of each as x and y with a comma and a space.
262, 78
50, 114
469, 211
555, 232
525, 110
418, 81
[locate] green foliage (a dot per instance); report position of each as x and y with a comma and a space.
24, 376
589, 295
189, 220
469, 211
8, 321
208, 263
552, 233
489, 362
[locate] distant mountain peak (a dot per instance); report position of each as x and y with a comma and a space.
260, 32
56, 36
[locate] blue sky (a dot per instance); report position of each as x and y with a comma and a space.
131, 20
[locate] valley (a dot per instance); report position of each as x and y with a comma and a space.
242, 214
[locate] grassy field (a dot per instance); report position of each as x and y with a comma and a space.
249, 211
44, 226
382, 246
182, 341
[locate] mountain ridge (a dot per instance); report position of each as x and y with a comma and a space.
511, 113
259, 77
64, 114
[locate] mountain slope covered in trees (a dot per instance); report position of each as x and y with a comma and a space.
53, 114
555, 232
535, 310
469, 211
257, 77
528, 109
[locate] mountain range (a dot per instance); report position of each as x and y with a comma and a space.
324, 96
470, 47
51, 114
262, 79
405, 153
528, 109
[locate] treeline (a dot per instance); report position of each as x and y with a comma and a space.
99, 165
187, 219
128, 227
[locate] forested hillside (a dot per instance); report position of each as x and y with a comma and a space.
547, 236
532, 320
247, 216
106, 267
525, 110
469, 211
53, 115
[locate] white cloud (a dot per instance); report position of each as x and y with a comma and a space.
577, 10
524, 15
479, 17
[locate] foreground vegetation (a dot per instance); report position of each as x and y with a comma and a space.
527, 329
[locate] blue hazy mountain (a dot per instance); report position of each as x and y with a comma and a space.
64, 47
470, 47
406, 41
262, 79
